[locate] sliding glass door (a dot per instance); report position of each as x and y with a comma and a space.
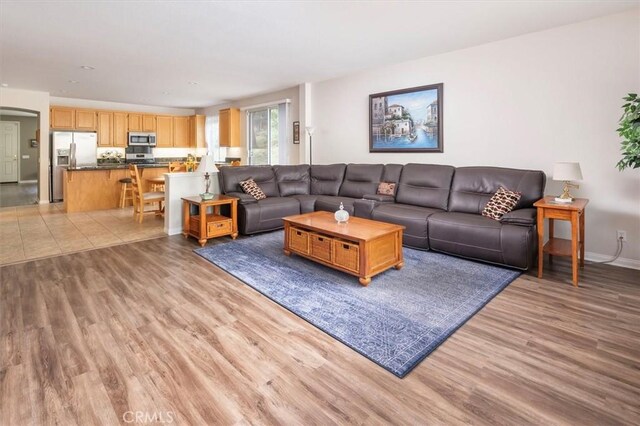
263, 136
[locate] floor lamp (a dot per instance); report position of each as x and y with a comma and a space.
310, 130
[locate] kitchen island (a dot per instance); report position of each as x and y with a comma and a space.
92, 188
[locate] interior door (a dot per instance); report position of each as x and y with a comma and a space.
9, 151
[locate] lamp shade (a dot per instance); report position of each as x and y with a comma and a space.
567, 171
207, 164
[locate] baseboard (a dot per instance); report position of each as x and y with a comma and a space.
621, 261
43, 202
28, 181
172, 231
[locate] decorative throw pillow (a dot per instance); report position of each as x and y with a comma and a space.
386, 188
250, 187
503, 201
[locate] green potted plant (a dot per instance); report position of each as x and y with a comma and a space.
629, 131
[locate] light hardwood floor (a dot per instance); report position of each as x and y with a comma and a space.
150, 327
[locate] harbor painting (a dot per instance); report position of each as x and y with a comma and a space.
408, 120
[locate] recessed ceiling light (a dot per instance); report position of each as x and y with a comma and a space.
193, 83
73, 81
4, 84
87, 67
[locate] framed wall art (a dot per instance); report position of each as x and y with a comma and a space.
407, 120
296, 132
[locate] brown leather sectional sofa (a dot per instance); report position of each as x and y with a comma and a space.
439, 205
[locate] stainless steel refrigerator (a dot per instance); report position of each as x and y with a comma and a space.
69, 148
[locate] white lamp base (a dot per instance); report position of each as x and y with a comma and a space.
563, 200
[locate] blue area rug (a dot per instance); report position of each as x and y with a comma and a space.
396, 321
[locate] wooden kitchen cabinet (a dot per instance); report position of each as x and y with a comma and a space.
105, 128
229, 127
62, 118
181, 132
148, 123
135, 122
86, 119
120, 129
196, 123
164, 131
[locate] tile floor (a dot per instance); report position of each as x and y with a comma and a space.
31, 232
18, 194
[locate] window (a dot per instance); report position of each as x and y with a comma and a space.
212, 137
267, 135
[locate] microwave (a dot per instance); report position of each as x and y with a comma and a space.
142, 139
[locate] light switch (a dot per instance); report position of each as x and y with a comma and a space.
25, 157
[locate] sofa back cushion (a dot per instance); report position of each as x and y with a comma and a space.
473, 187
230, 178
292, 180
425, 185
392, 173
326, 180
361, 179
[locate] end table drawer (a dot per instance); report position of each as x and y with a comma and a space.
219, 227
299, 240
321, 247
346, 255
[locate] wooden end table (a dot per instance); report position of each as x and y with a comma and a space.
573, 212
209, 222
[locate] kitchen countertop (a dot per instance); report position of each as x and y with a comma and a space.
115, 167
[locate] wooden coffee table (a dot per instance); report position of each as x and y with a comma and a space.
360, 247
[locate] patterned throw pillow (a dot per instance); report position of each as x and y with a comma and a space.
250, 187
386, 188
503, 201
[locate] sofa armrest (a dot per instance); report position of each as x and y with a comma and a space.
523, 217
379, 198
244, 198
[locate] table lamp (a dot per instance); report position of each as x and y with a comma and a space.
207, 166
310, 130
566, 172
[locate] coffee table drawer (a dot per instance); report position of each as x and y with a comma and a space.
321, 247
299, 240
346, 255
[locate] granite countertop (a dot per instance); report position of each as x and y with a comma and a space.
115, 166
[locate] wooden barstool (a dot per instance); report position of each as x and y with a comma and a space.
126, 192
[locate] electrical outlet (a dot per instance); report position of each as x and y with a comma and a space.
621, 235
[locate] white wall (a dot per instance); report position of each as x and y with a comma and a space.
38, 102
118, 106
291, 93
523, 102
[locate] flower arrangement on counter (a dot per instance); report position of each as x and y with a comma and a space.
111, 156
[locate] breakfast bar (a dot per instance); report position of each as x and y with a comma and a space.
98, 187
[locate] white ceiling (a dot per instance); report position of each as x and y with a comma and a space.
148, 52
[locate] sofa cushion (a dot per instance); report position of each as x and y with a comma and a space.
413, 218
250, 187
477, 237
307, 202
425, 185
522, 217
472, 187
331, 204
502, 202
326, 179
292, 180
230, 178
360, 179
266, 214
392, 173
